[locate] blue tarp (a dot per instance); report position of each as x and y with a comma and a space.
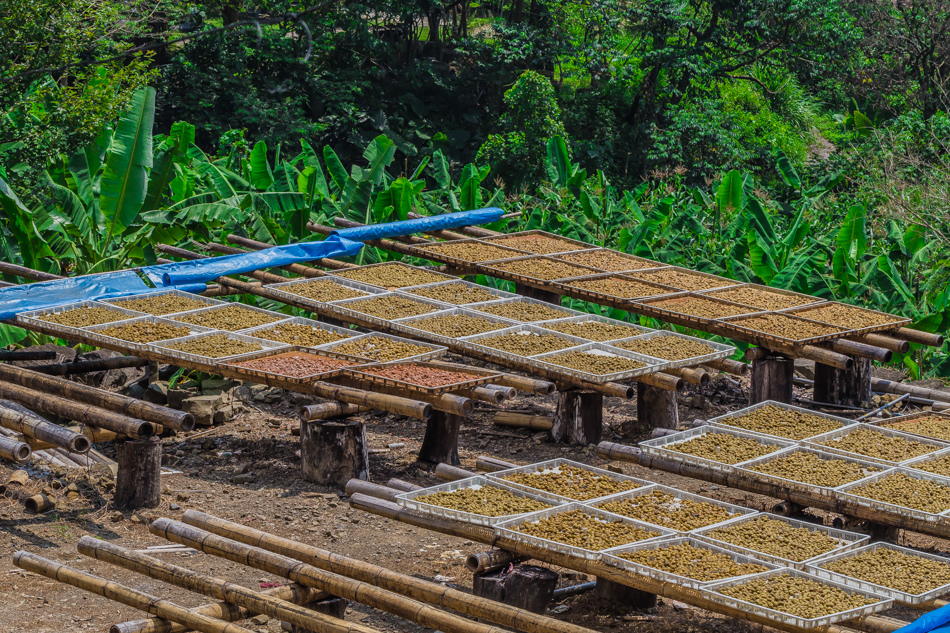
49, 294
935, 621
202, 270
422, 225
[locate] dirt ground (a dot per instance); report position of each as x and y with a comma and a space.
259, 450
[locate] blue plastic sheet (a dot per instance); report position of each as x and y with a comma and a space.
936, 621
49, 294
422, 225
202, 270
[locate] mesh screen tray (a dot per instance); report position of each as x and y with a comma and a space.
286, 290
419, 291
164, 347
712, 592
411, 501
818, 442
660, 446
408, 325
849, 494
719, 350
96, 333
265, 376
748, 469
259, 331
554, 465
636, 329
208, 301
477, 377
429, 350
650, 365
723, 420
34, 317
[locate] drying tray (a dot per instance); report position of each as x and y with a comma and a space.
917, 461
32, 318
94, 333
646, 275
842, 422
427, 252
738, 511
498, 294
846, 540
658, 446
649, 263
480, 377
208, 301
567, 285
317, 325
283, 290
409, 501
844, 493
817, 568
342, 273
884, 422
553, 464
266, 377
720, 350
652, 365
162, 347
473, 344
345, 308
406, 325
501, 239
651, 307
711, 591
809, 301
792, 484
505, 530
492, 269
595, 317
816, 442
434, 351
612, 557
566, 311
277, 316
896, 323
733, 326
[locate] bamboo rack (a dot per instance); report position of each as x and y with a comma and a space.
332, 264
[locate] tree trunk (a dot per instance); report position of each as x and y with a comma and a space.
656, 408
526, 587
138, 480
332, 452
441, 442
772, 379
850, 387
434, 19
230, 12
579, 417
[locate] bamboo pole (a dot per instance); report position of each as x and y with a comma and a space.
523, 421
87, 366
510, 393
887, 342
297, 594
694, 376
487, 464
528, 385
80, 412
215, 587
402, 486
169, 418
484, 562
729, 366
889, 386
447, 472
354, 486
485, 393
372, 400
864, 350
44, 431
916, 336
328, 410
332, 264
422, 590
26, 273
28, 355
311, 576
125, 595
14, 450
446, 402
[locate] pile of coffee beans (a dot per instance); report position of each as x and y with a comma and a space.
701, 307
484, 500
893, 569
84, 317
299, 334
723, 448
296, 364
693, 562
541, 268
617, 287
848, 317
786, 327
537, 244
900, 489
608, 261
379, 348
391, 275
797, 596
812, 469
594, 330
596, 363
215, 346
666, 510
145, 332
683, 279
761, 298
456, 325
421, 375
523, 311
572, 482
391, 307
791, 423
455, 293
935, 426
323, 290
471, 251
873, 443
525, 343
162, 304
777, 538
579, 529
667, 347
229, 318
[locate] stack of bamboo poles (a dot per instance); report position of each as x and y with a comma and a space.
315, 574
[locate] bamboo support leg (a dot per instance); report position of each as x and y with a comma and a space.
333, 452
772, 379
656, 408
624, 596
138, 482
536, 293
850, 387
441, 441
579, 417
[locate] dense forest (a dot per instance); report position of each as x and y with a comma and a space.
802, 144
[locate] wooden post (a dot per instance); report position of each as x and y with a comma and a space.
334, 607
531, 292
623, 595
440, 445
579, 417
656, 408
772, 379
526, 587
138, 482
153, 369
334, 451
850, 387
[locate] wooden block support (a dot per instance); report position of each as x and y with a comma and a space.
334, 607
536, 293
849, 387
333, 451
656, 408
139, 477
624, 596
440, 445
772, 379
526, 587
578, 418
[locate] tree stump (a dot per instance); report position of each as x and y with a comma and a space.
526, 586
849, 387
628, 597
440, 445
531, 292
333, 451
772, 379
139, 476
578, 418
656, 408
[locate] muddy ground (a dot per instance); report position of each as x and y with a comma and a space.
248, 471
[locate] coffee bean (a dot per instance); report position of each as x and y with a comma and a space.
607, 261
682, 279
617, 287
934, 426
723, 448
761, 298
456, 326
324, 290
666, 510
299, 334
895, 570
146, 332
903, 490
379, 348
295, 364
598, 364
786, 327
419, 375
471, 251
875, 444
455, 294
523, 311
846, 316
526, 344
537, 244
583, 530
216, 346
391, 307
541, 268
594, 330
815, 470
701, 307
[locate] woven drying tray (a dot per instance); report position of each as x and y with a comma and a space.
665, 308
794, 299
508, 241
434, 252
574, 287
623, 262
264, 376
349, 273
479, 377
812, 313
737, 328
497, 269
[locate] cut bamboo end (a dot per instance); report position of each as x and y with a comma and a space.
329, 410
447, 472
360, 486
484, 562
18, 478
921, 338
37, 504
887, 342
487, 464
14, 450
660, 380
864, 350
690, 375
729, 366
